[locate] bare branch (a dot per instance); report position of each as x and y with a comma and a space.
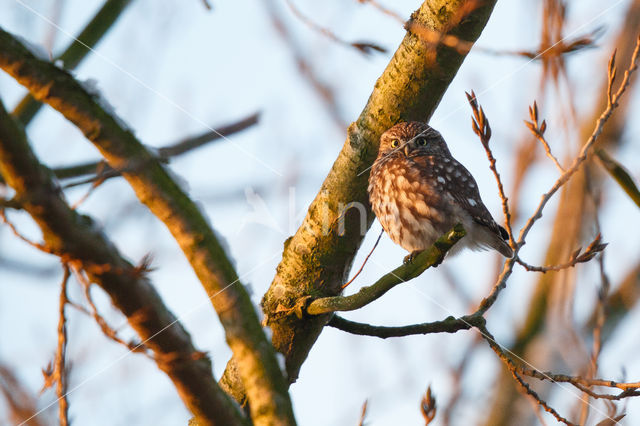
81, 244
448, 325
592, 250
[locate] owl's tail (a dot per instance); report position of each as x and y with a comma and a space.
500, 243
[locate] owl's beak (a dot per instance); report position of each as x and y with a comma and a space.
407, 149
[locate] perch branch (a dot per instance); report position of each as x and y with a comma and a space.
432, 256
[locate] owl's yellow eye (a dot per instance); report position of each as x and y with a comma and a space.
421, 141
395, 143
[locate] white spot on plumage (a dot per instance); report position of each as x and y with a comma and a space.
472, 202
441, 179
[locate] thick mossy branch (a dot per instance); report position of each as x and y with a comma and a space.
77, 240
432, 256
257, 364
77, 51
317, 259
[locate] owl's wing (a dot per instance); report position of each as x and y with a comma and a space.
456, 180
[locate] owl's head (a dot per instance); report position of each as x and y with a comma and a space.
412, 139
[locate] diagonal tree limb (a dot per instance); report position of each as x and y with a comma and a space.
77, 51
79, 242
165, 153
101, 170
257, 364
317, 259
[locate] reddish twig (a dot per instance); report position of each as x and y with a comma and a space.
17, 233
363, 414
363, 263
366, 48
56, 372
102, 323
383, 9
60, 369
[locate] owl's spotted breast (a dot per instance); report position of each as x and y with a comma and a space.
404, 205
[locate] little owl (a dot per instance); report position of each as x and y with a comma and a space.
419, 191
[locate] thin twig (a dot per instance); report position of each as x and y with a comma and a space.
364, 262
488, 301
538, 131
17, 233
383, 9
513, 369
101, 171
60, 363
592, 250
363, 414
207, 5
481, 127
363, 47
20, 404
102, 323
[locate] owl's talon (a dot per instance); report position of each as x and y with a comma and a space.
409, 258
